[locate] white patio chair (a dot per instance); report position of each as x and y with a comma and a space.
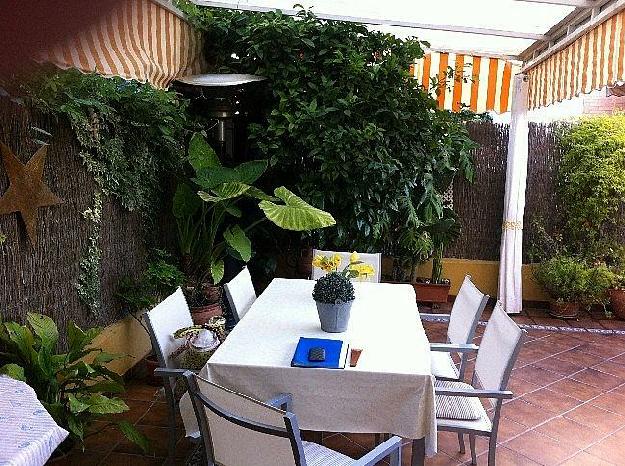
463, 319
372, 259
168, 316
238, 430
240, 293
458, 408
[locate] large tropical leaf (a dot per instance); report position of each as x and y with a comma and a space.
238, 240
209, 178
225, 191
249, 172
296, 214
186, 203
258, 194
201, 154
14, 371
45, 328
22, 338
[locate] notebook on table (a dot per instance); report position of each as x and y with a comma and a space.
336, 352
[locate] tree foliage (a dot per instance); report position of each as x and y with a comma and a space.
347, 128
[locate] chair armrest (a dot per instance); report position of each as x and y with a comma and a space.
473, 392
165, 372
454, 347
283, 401
426, 316
380, 452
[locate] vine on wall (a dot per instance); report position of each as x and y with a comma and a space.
88, 283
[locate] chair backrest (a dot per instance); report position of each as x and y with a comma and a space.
465, 313
168, 316
498, 351
239, 430
240, 293
372, 259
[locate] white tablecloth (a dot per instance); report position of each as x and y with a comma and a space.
389, 391
28, 434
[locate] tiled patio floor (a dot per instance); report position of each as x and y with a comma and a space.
569, 408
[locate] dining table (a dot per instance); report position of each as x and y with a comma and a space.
389, 391
28, 434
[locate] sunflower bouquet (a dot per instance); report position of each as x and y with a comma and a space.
354, 269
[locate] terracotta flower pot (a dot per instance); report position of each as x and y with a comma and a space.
564, 310
304, 262
431, 293
202, 314
617, 298
212, 293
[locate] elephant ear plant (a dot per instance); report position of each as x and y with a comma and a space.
75, 387
211, 223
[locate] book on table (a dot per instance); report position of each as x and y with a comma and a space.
336, 352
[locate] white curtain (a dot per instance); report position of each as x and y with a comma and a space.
511, 257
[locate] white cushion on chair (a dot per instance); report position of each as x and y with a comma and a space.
443, 366
318, 455
457, 407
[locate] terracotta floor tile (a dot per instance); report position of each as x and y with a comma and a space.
520, 387
367, 441
159, 441
575, 389
620, 359
136, 410
541, 449
157, 415
508, 429
344, 445
559, 366
551, 401
568, 431
598, 379
448, 443
581, 358
77, 456
536, 375
610, 449
611, 368
104, 440
597, 418
506, 457
611, 401
140, 392
605, 349
586, 459
124, 459
525, 413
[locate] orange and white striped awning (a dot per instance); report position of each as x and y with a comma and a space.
139, 39
478, 82
594, 60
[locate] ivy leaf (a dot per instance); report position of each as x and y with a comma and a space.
217, 271
296, 214
238, 240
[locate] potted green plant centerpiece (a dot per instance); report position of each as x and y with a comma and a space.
572, 284
334, 292
212, 226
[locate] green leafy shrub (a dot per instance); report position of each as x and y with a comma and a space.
569, 279
74, 386
592, 182
346, 127
333, 288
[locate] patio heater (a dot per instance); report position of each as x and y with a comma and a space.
228, 100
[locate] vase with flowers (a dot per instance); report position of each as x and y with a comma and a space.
334, 292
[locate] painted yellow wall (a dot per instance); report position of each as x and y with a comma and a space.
485, 276
126, 336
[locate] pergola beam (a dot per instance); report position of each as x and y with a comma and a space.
381, 22
575, 3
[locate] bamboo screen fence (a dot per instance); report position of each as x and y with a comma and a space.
480, 205
42, 279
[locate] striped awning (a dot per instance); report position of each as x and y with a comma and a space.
595, 60
139, 39
476, 82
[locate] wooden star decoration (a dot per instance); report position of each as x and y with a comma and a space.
27, 191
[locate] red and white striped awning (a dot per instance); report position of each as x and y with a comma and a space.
139, 39
594, 60
479, 83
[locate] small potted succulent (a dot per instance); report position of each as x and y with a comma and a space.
334, 292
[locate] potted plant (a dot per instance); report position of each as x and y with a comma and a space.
572, 284
420, 241
334, 293
617, 295
211, 224
74, 386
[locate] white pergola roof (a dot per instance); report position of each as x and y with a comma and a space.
495, 27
